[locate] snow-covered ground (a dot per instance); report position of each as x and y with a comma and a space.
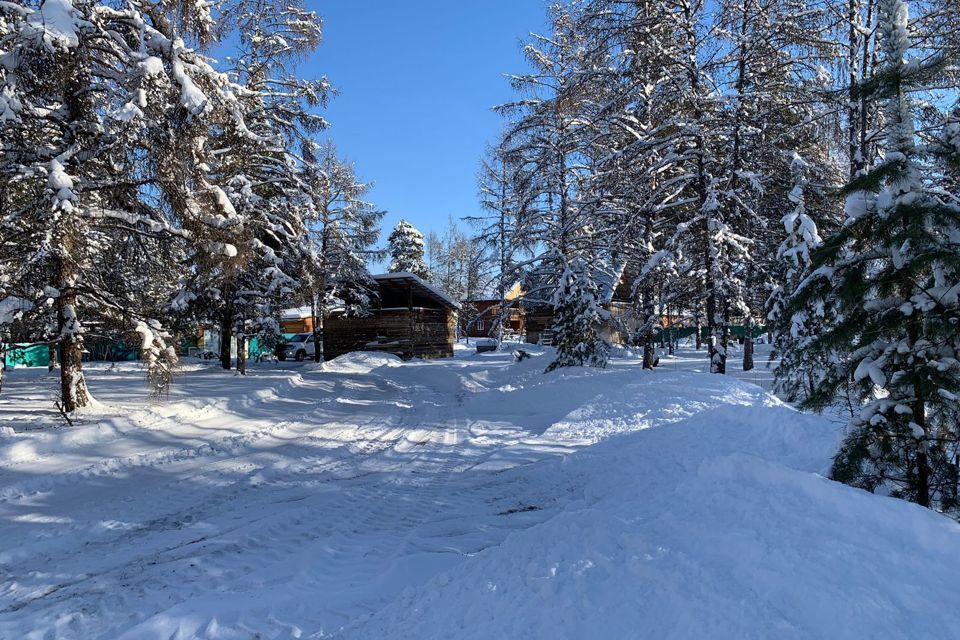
468, 498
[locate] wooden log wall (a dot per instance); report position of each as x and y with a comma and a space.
388, 330
536, 323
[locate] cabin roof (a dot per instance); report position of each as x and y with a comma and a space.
297, 313
403, 280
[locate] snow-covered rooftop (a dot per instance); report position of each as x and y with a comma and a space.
426, 287
296, 313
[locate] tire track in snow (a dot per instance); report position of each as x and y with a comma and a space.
341, 522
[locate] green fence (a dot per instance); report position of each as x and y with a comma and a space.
737, 331
27, 355
99, 350
38, 355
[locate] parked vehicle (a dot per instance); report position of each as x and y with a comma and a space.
299, 347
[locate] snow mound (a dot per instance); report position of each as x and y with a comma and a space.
361, 362
712, 527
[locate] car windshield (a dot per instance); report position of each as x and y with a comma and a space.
300, 337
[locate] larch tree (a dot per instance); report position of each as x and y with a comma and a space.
262, 184
504, 197
548, 139
343, 228
88, 90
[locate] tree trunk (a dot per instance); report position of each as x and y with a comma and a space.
649, 352
226, 328
649, 322
315, 319
241, 353
914, 331
715, 338
73, 387
51, 357
748, 344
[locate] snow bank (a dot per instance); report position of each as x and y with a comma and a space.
361, 362
710, 527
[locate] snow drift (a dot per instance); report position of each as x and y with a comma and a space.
717, 527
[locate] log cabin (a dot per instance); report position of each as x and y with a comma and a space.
411, 319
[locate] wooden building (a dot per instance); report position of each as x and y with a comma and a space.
478, 317
297, 320
615, 298
411, 319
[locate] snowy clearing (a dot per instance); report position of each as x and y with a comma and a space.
466, 498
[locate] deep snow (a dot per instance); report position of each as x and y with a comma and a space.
468, 498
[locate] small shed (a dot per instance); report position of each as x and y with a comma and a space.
411, 319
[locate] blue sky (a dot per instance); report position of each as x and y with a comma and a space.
417, 80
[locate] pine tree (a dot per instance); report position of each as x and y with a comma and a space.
406, 250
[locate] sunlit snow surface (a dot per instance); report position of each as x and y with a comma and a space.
468, 498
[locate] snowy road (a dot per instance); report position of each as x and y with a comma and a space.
341, 485
368, 499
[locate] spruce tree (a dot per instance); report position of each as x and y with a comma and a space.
891, 274
406, 250
797, 374
579, 321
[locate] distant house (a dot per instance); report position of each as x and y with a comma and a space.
296, 320
478, 316
411, 318
615, 296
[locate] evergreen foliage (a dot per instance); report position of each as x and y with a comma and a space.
146, 189
892, 274
578, 321
407, 251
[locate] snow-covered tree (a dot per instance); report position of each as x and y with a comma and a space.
579, 320
891, 274
343, 228
547, 144
261, 177
90, 94
797, 373
144, 186
406, 250
504, 197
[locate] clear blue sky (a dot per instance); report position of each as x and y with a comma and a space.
417, 80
